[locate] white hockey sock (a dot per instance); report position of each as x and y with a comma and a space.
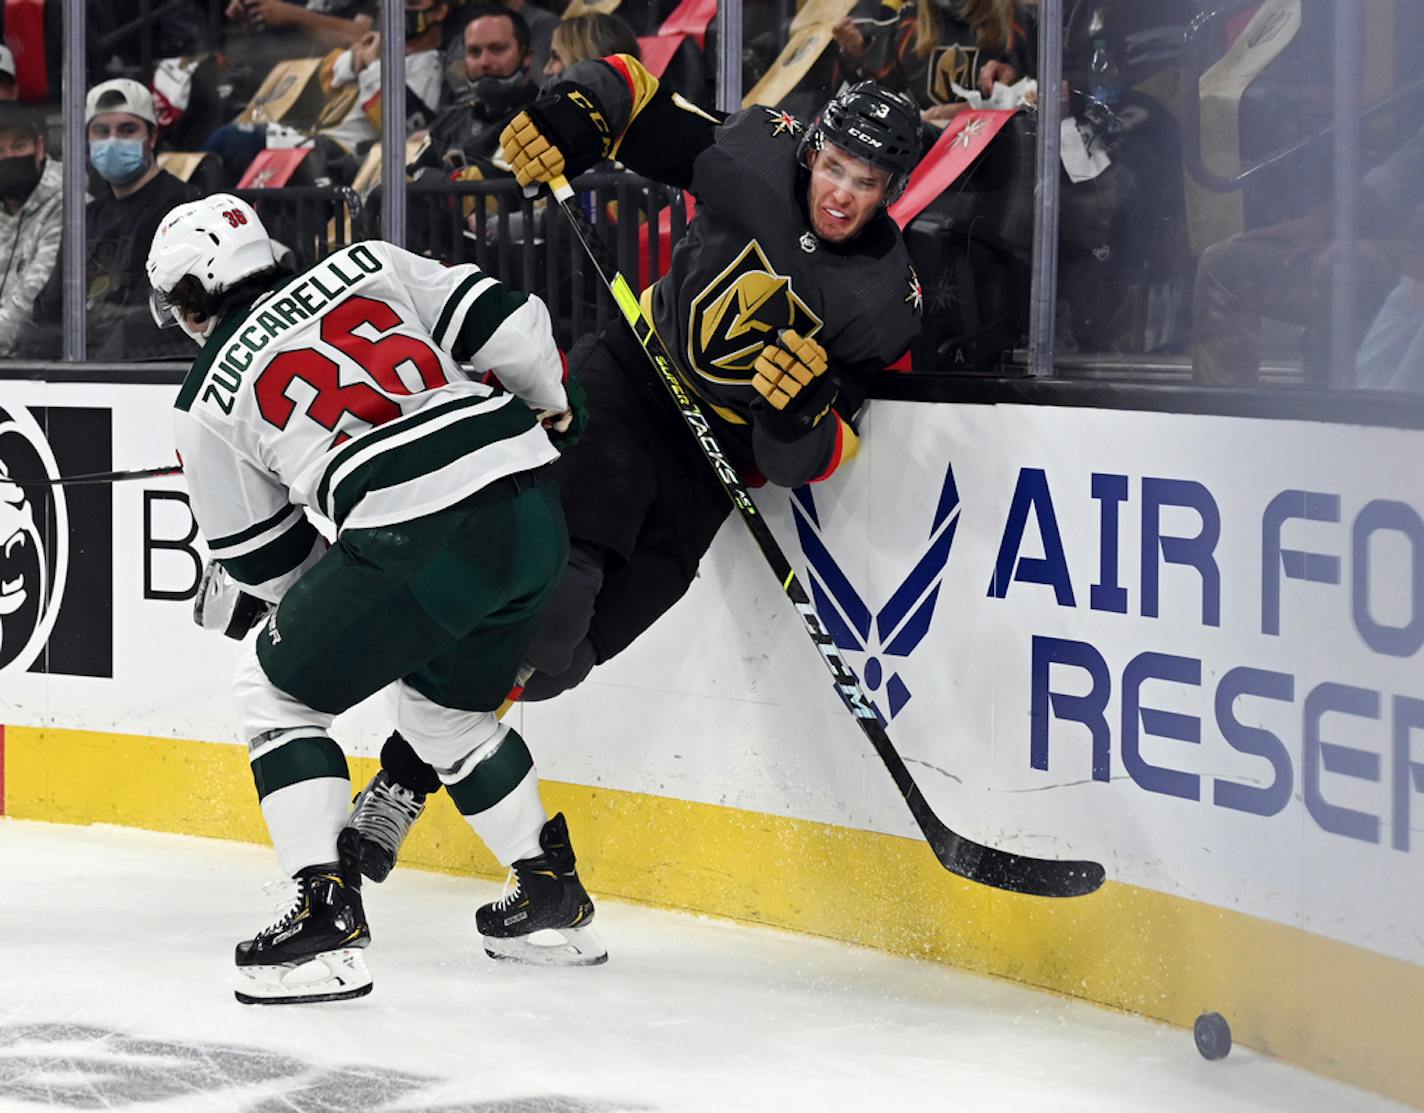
304, 819
511, 828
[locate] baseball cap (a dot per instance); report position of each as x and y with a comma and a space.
20, 117
7, 61
120, 95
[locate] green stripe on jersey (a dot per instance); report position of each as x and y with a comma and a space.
279, 556
385, 432
302, 759
490, 310
251, 531
493, 779
448, 309
198, 373
428, 453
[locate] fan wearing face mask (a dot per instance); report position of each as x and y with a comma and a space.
496, 84
31, 217
122, 133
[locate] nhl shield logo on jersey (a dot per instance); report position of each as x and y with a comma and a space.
34, 540
738, 312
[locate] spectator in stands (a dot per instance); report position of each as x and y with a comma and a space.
361, 66
31, 217
121, 219
589, 36
351, 117
266, 32
8, 88
125, 36
296, 29
540, 21
1285, 272
496, 85
925, 47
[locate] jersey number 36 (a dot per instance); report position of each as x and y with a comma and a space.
380, 359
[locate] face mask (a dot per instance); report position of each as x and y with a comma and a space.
417, 23
118, 161
19, 174
502, 95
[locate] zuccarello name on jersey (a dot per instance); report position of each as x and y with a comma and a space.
303, 298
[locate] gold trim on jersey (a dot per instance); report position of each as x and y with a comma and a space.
643, 84
738, 312
645, 302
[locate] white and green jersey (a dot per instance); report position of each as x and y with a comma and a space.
342, 390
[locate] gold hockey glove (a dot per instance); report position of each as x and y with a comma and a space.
796, 393
559, 135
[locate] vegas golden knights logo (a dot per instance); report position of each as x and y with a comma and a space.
738, 312
951, 65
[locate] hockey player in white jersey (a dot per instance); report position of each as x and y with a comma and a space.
340, 390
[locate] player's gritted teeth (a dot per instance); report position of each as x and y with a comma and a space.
845, 192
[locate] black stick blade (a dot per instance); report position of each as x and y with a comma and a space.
1035, 877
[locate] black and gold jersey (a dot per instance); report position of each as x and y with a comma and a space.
751, 265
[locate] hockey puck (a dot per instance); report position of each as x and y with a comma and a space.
1213, 1036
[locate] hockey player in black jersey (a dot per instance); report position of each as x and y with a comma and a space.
791, 287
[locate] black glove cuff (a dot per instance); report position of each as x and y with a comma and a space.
573, 121
249, 612
578, 406
809, 408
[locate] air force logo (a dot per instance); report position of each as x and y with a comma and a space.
34, 541
897, 628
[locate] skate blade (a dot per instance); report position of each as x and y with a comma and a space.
330, 976
550, 947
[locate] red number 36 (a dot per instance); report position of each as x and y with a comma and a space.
235, 217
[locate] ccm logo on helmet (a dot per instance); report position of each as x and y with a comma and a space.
864, 137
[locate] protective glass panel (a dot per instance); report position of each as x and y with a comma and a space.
1241, 192
32, 200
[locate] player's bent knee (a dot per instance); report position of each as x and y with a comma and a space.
264, 710
449, 739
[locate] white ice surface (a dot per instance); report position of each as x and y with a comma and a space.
114, 994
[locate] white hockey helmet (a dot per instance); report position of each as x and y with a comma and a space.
217, 241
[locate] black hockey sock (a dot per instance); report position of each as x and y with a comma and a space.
405, 768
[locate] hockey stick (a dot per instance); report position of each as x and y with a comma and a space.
974, 861
100, 477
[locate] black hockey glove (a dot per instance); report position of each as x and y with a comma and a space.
559, 135
222, 605
796, 393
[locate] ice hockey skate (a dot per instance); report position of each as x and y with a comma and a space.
312, 952
547, 918
382, 817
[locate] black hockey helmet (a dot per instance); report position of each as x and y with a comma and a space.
872, 123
